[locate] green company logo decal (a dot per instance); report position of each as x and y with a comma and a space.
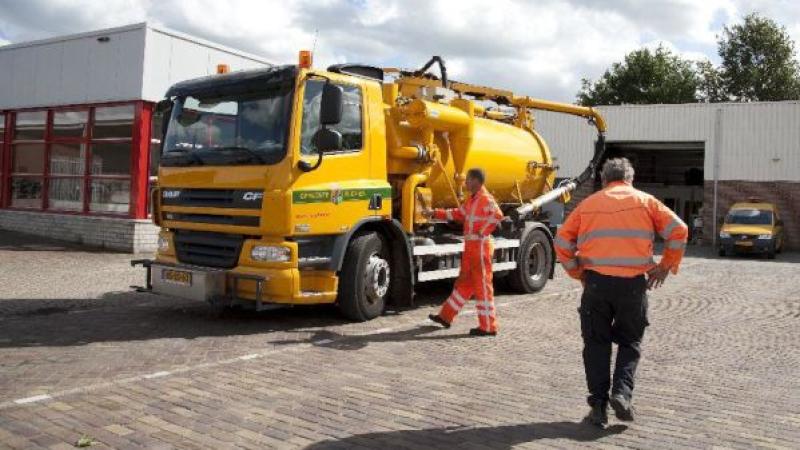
337, 196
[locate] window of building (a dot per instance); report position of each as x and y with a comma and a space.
27, 159
30, 126
75, 160
70, 124
110, 161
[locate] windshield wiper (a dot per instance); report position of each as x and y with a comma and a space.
254, 155
193, 157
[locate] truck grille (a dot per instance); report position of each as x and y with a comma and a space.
208, 249
213, 198
242, 221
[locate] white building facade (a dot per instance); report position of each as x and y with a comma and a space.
77, 143
698, 158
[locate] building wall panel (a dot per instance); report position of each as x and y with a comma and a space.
172, 57
758, 141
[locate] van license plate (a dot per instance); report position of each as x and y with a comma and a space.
177, 277
744, 243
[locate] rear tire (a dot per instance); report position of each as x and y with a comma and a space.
722, 252
365, 278
535, 261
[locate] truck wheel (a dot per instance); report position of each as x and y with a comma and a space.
771, 252
365, 278
722, 252
534, 263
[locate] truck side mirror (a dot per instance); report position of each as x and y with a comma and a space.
330, 112
327, 140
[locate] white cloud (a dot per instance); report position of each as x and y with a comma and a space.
538, 48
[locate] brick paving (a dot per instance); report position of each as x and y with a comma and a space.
81, 355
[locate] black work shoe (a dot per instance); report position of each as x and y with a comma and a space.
438, 319
479, 332
598, 416
623, 408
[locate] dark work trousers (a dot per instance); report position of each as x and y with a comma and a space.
613, 309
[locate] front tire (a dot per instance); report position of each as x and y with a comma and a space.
365, 278
535, 261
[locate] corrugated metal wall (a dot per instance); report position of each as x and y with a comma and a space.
758, 141
72, 70
171, 57
136, 62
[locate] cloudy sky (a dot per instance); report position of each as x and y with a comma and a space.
537, 47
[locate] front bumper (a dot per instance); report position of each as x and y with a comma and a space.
734, 245
248, 286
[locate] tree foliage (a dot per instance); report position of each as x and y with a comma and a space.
758, 61
644, 77
758, 64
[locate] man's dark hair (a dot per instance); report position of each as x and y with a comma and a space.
477, 174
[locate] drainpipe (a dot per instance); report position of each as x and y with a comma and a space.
717, 149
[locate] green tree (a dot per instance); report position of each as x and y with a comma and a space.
712, 86
644, 77
758, 61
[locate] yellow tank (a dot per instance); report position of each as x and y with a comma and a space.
510, 157
517, 161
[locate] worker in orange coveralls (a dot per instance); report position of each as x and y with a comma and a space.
607, 244
480, 215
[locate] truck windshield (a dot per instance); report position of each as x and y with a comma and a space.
248, 129
749, 217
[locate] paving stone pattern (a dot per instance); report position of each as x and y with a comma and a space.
81, 355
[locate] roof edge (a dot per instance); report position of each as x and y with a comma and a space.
211, 44
75, 36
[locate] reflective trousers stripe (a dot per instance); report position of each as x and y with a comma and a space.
617, 262
448, 214
616, 233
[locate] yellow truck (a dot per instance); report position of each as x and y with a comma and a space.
291, 185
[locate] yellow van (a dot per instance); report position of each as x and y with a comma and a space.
752, 227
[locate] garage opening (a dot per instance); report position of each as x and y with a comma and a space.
670, 171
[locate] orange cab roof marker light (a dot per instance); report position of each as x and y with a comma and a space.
306, 59
223, 68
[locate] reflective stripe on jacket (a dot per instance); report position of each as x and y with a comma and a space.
612, 233
480, 215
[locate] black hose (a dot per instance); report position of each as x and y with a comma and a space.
599, 153
442, 69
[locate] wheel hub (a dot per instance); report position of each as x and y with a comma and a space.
536, 264
377, 277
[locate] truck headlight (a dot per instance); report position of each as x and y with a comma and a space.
765, 236
270, 253
163, 244
724, 235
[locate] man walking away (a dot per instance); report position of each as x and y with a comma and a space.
607, 244
480, 215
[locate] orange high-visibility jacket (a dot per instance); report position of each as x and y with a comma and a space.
612, 233
480, 215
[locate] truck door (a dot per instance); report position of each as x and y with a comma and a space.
341, 191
